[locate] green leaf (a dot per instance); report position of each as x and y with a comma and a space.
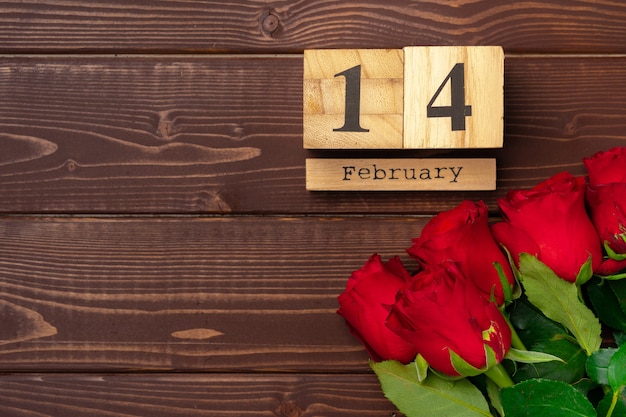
598, 365
532, 326
422, 367
611, 253
493, 392
584, 386
465, 369
572, 368
530, 356
435, 397
585, 273
605, 303
619, 289
507, 289
545, 398
616, 371
559, 301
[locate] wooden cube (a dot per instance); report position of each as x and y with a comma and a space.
353, 99
453, 97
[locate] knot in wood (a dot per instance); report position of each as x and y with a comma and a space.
165, 129
270, 23
289, 409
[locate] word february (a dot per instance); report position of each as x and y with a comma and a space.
402, 174
409, 174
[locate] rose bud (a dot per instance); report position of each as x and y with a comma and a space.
463, 235
550, 222
606, 167
441, 311
606, 200
366, 302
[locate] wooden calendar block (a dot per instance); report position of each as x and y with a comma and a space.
453, 97
400, 174
353, 99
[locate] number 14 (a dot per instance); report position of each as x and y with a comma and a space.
457, 111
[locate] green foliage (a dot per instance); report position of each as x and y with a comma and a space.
570, 370
559, 301
434, 397
585, 273
532, 326
603, 296
616, 372
613, 403
545, 398
598, 365
465, 369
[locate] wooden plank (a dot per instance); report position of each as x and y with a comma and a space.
155, 395
224, 134
400, 174
202, 294
267, 26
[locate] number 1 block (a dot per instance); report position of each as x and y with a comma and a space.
353, 99
453, 97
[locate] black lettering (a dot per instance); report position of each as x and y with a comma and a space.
347, 171
439, 171
377, 171
457, 111
456, 174
352, 122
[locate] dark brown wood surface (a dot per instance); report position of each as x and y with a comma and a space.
186, 294
289, 26
159, 254
223, 134
193, 395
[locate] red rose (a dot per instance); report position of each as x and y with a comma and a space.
606, 199
607, 167
366, 302
463, 235
440, 311
551, 223
607, 204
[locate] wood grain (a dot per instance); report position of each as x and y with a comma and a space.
279, 26
203, 294
224, 134
154, 395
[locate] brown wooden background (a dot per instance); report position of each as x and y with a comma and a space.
159, 254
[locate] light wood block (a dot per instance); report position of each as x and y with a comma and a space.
467, 84
400, 174
353, 98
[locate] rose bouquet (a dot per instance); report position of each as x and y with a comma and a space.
523, 317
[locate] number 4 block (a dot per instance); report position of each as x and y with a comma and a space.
411, 98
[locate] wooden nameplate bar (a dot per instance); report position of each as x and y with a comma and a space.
400, 174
